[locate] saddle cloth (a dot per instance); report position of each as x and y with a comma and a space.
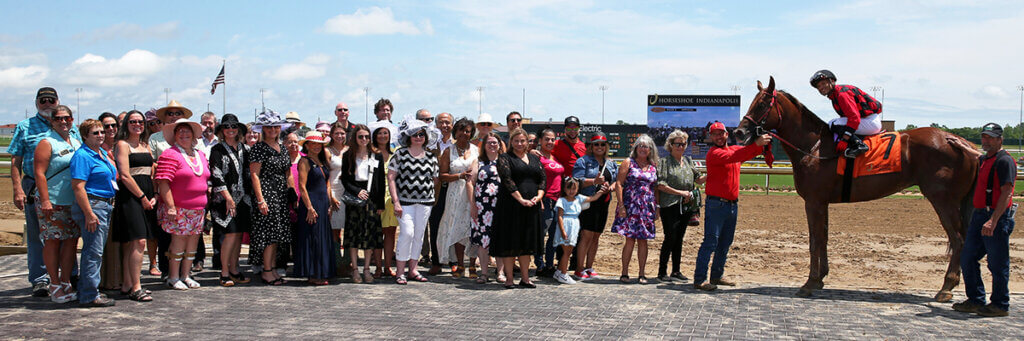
884, 155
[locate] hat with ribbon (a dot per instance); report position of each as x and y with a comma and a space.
168, 129
270, 118
174, 105
315, 137
231, 121
411, 126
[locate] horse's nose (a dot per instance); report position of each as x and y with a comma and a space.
739, 133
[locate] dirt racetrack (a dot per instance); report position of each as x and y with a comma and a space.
893, 243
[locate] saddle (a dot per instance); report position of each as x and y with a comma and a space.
883, 156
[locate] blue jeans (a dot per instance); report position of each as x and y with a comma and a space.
545, 253
92, 248
997, 247
36, 268
719, 228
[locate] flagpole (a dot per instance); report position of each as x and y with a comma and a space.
224, 101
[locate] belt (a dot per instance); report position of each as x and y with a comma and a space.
712, 197
96, 197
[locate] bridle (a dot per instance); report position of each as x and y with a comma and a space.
759, 124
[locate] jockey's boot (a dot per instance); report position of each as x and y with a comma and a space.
854, 147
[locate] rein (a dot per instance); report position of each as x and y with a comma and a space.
759, 124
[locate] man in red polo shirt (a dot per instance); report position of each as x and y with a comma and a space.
569, 147
723, 190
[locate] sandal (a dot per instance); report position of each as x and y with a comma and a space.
642, 279
418, 278
140, 296
401, 280
356, 278
624, 279
154, 271
482, 279
472, 272
275, 282
457, 271
367, 278
226, 281
239, 278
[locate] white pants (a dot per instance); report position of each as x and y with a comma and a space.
411, 226
869, 125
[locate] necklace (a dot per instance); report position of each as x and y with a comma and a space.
197, 167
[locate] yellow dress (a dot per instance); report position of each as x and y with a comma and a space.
388, 219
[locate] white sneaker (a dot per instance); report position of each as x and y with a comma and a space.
563, 278
591, 274
192, 284
176, 284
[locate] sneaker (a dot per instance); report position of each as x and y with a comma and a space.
967, 306
563, 278
723, 281
99, 302
591, 274
705, 286
582, 275
177, 284
679, 276
694, 220
991, 311
39, 289
192, 284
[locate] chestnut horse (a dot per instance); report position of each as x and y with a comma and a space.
944, 173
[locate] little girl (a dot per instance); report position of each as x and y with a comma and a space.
569, 206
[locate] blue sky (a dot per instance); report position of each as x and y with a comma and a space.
948, 62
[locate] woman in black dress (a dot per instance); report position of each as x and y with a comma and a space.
230, 205
363, 176
273, 188
134, 216
515, 231
314, 258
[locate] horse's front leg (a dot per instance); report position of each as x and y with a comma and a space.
817, 226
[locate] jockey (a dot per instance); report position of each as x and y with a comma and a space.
858, 111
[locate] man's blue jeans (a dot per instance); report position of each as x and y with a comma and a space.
36, 268
997, 248
92, 248
544, 256
719, 228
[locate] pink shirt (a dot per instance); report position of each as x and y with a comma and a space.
553, 177
187, 188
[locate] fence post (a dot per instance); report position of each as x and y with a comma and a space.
767, 182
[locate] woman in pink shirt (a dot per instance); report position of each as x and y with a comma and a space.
544, 258
181, 175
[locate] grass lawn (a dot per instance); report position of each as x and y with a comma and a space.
786, 182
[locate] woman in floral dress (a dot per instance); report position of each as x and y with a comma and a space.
485, 197
636, 205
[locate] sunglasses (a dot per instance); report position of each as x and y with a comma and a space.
137, 122
572, 128
600, 144
341, 109
68, 118
154, 122
420, 134
47, 101
515, 120
428, 119
363, 137
110, 126
96, 133
175, 113
231, 126
484, 124
676, 144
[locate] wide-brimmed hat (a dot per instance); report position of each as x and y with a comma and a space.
293, 117
168, 129
323, 125
411, 126
485, 118
315, 137
162, 112
270, 118
231, 119
151, 115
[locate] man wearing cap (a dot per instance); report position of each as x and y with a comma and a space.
27, 135
443, 123
569, 147
991, 224
172, 112
723, 191
341, 112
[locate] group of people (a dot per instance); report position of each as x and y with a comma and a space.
433, 188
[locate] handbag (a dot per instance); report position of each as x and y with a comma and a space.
353, 199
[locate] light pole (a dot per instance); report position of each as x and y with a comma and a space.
78, 100
735, 89
875, 89
603, 88
263, 103
1019, 124
480, 99
366, 104
167, 95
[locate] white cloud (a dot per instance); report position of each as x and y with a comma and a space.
23, 77
374, 20
129, 70
135, 32
314, 66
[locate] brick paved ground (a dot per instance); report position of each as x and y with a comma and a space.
459, 309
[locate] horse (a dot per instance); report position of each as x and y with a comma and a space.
944, 173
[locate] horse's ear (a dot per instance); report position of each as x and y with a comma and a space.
771, 84
759, 86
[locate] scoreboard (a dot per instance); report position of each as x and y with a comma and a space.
620, 136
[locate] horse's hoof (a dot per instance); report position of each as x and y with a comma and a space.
818, 285
944, 296
804, 292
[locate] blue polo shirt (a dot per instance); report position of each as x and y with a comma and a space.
97, 171
27, 135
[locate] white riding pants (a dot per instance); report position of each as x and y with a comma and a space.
411, 226
869, 125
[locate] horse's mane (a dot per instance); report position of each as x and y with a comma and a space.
803, 109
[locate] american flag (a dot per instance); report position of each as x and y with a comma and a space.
218, 80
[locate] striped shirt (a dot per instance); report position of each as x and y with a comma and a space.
416, 176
